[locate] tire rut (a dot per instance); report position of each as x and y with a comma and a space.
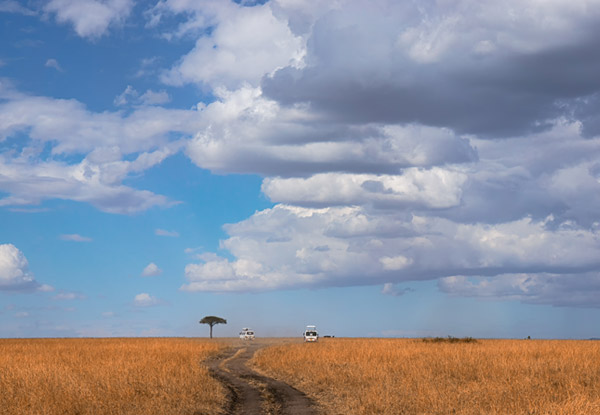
251, 393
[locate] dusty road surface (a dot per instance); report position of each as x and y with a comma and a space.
251, 393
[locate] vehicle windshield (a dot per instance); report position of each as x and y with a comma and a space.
311, 333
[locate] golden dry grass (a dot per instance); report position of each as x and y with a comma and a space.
108, 376
409, 376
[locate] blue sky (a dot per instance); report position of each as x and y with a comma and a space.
375, 168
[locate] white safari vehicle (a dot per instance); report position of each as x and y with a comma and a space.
311, 334
247, 334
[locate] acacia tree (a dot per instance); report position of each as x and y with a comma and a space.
211, 321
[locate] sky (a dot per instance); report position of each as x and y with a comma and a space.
375, 168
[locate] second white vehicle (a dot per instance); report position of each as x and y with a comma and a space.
247, 334
311, 334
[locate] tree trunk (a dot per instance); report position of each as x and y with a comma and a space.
210, 330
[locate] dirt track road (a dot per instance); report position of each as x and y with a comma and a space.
253, 394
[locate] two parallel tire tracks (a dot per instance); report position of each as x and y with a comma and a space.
251, 393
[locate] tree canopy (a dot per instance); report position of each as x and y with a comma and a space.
211, 321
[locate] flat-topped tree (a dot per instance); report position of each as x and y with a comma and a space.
211, 321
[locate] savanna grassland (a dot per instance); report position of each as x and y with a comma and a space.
411, 376
108, 376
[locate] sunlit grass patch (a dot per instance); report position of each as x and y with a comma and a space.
412, 376
108, 376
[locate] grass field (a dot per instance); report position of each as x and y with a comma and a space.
410, 376
108, 376
345, 376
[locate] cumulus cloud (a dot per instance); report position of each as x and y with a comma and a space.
409, 143
14, 271
151, 270
90, 18
434, 188
244, 132
292, 247
563, 290
455, 65
97, 184
395, 263
145, 300
447, 140
67, 128
246, 44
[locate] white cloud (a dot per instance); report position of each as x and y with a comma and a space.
74, 129
45, 288
245, 132
419, 65
148, 67
70, 128
66, 127
155, 97
151, 270
200, 14
75, 238
393, 290
395, 263
572, 290
246, 43
13, 6
434, 188
14, 271
53, 63
124, 97
287, 247
68, 296
145, 300
97, 184
90, 18
376, 128
197, 252
162, 232
131, 96
367, 199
